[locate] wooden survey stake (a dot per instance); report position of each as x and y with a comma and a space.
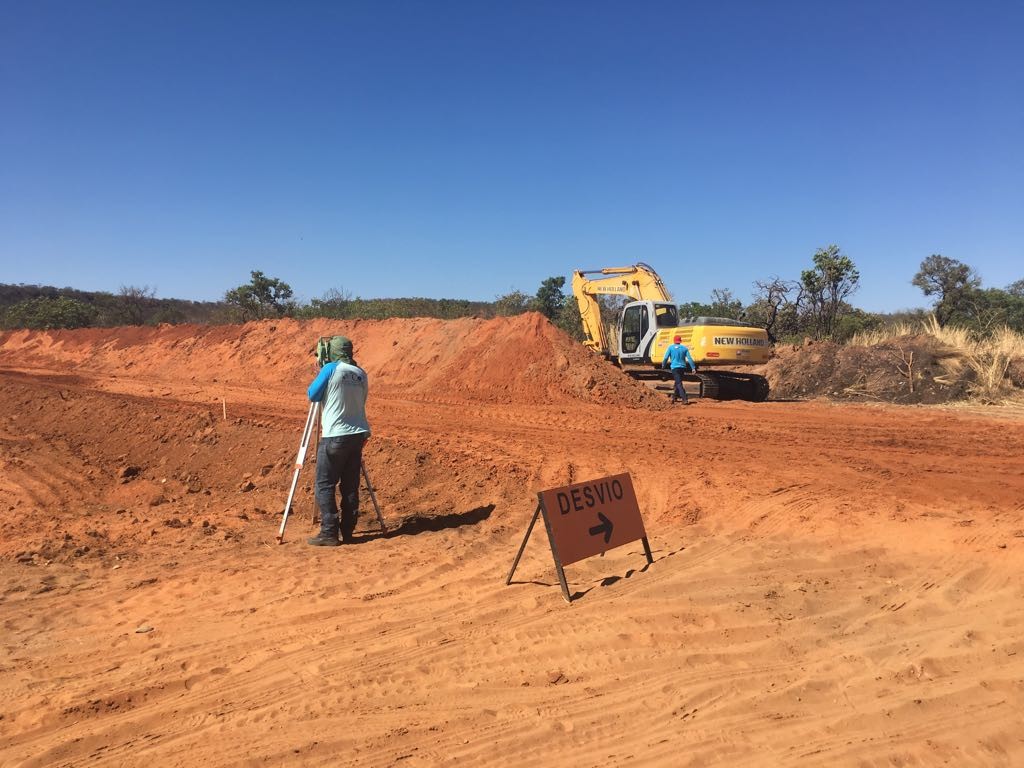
587, 519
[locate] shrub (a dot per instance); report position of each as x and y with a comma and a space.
47, 313
988, 363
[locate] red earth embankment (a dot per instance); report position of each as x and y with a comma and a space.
523, 359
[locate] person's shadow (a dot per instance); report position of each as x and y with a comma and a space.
413, 525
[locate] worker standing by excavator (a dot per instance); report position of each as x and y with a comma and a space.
678, 356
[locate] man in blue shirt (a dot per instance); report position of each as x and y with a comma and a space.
341, 389
679, 355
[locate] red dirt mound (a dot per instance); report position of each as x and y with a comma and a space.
522, 359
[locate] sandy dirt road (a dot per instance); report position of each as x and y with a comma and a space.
832, 585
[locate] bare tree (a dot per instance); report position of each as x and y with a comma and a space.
135, 303
771, 296
335, 303
725, 304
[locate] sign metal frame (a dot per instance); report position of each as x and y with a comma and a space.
541, 511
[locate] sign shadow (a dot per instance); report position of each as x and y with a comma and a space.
608, 581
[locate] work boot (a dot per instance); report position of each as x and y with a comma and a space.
324, 539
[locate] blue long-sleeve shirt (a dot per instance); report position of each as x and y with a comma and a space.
679, 354
341, 390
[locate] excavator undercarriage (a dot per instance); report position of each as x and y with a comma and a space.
713, 385
731, 385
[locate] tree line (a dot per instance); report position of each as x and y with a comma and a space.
817, 304
47, 307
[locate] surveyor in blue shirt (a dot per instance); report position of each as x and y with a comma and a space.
341, 389
679, 355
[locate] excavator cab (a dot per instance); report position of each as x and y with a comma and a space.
639, 325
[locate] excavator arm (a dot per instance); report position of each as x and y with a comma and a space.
639, 282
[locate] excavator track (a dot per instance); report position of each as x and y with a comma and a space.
714, 385
708, 386
730, 385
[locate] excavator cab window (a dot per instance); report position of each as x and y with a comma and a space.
633, 328
666, 316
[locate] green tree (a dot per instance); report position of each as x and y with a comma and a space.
48, 313
569, 320
987, 309
695, 309
826, 287
262, 297
724, 304
550, 300
515, 302
952, 282
166, 314
853, 321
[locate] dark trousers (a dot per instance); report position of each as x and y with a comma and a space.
680, 392
338, 460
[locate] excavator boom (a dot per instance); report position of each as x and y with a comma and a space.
638, 282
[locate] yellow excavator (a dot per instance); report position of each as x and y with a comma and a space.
647, 325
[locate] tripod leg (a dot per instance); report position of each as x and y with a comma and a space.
373, 496
303, 446
316, 507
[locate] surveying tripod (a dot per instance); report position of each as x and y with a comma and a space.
313, 423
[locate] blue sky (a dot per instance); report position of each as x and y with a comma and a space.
462, 149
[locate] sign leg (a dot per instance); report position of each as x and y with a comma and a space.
561, 580
522, 547
554, 553
647, 550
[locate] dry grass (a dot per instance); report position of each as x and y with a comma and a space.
984, 360
884, 335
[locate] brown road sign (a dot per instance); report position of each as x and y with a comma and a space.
586, 519
589, 518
